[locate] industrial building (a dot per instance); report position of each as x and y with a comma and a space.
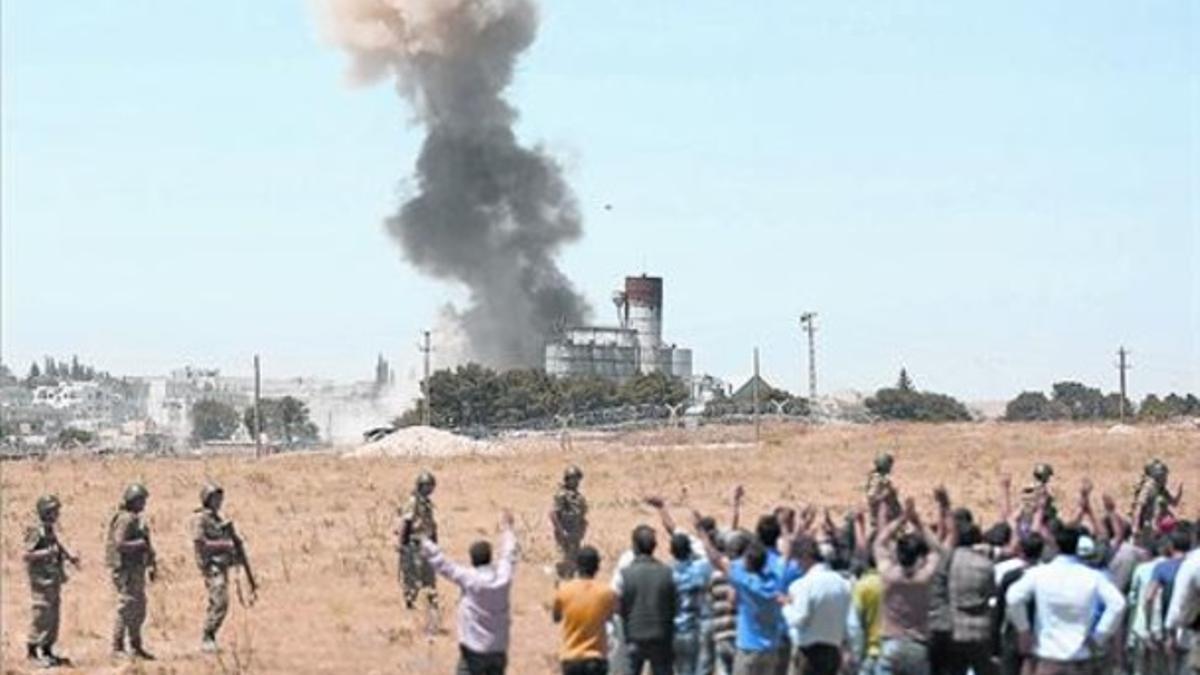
635, 346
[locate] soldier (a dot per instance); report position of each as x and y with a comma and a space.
130, 556
417, 522
44, 558
218, 548
569, 520
880, 489
1151, 498
1037, 496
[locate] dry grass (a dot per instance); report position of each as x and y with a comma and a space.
319, 528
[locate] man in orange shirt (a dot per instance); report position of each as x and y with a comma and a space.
583, 606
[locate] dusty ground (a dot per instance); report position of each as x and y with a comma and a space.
319, 528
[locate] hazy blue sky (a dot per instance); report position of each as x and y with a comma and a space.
995, 195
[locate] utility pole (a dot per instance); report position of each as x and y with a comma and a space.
807, 324
1122, 365
425, 349
257, 408
754, 389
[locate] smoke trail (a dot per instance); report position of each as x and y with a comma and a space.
488, 212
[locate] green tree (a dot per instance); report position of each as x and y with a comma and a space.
285, 419
904, 402
71, 437
1034, 406
35, 373
1083, 403
584, 393
213, 420
654, 389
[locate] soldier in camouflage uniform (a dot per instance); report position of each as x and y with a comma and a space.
130, 556
880, 489
569, 520
1037, 495
417, 522
216, 552
1151, 498
44, 559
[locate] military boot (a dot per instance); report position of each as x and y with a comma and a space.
54, 659
135, 648
32, 651
208, 644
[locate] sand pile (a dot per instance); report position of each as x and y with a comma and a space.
420, 442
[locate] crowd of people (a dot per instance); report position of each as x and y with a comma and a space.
1043, 590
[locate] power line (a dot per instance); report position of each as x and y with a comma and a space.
1123, 365
809, 326
425, 348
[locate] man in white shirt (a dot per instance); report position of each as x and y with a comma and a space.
819, 603
1183, 614
1067, 637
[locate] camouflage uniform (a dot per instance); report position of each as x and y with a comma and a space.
570, 511
1035, 493
1151, 498
129, 575
46, 577
415, 571
207, 525
880, 489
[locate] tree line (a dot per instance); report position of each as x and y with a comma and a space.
284, 419
1079, 402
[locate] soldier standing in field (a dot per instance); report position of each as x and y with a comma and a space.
217, 549
568, 517
880, 489
44, 559
130, 556
417, 522
1152, 499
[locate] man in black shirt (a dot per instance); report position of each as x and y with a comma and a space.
648, 604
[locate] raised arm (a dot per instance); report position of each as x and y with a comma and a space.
664, 515
508, 546
443, 565
735, 521
945, 524
714, 556
1005, 498
885, 552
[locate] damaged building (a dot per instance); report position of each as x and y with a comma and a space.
633, 347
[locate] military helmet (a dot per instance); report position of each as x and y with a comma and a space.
47, 504
883, 463
1157, 469
573, 472
209, 491
1042, 473
134, 492
426, 478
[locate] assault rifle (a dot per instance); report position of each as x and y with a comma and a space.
239, 553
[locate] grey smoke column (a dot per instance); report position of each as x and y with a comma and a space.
488, 212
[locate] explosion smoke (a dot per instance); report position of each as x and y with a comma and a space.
488, 212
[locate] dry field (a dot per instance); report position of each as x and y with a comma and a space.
319, 528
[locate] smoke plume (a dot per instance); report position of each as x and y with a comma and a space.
488, 212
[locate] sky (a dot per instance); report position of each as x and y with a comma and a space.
995, 196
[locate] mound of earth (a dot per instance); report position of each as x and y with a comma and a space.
419, 442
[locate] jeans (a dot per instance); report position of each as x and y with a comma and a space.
655, 652
585, 667
724, 653
705, 664
478, 663
687, 653
755, 663
820, 659
903, 656
975, 657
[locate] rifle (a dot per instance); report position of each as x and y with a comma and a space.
239, 552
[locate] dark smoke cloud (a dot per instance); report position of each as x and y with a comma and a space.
488, 212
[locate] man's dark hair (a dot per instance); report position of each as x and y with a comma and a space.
909, 549
588, 562
806, 547
736, 543
967, 535
681, 547
1032, 546
999, 534
644, 540
755, 557
481, 554
1181, 539
707, 524
1066, 539
768, 530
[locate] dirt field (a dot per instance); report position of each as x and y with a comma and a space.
319, 528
